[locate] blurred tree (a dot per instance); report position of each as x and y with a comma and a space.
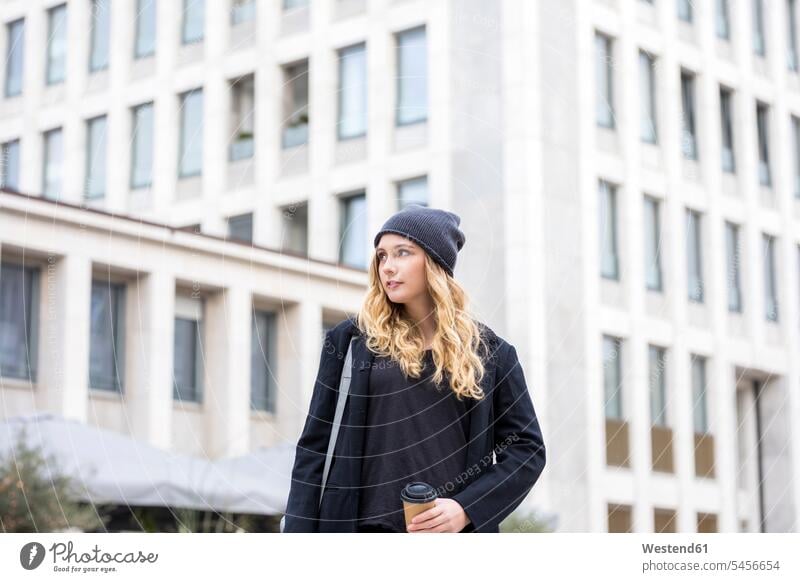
522, 522
30, 501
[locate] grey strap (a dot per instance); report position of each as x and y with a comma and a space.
344, 389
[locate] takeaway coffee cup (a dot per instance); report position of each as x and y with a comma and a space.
417, 497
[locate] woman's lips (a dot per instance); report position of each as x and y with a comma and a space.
393, 285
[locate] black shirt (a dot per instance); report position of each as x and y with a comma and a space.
415, 431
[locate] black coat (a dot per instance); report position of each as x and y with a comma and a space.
504, 420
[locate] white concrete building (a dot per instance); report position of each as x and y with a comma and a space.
658, 325
185, 341
626, 172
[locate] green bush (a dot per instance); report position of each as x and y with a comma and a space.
524, 522
32, 502
191, 520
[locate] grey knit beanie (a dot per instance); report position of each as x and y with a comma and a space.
434, 230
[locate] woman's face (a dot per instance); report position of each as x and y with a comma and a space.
402, 261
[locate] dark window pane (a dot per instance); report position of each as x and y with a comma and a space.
262, 358
106, 353
186, 386
18, 297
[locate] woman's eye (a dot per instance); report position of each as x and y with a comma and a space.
383, 256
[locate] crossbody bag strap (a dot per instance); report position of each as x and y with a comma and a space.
344, 390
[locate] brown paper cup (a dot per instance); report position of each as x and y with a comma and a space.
413, 509
417, 497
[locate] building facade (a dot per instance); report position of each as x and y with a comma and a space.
626, 171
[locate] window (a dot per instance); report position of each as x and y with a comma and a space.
726, 126
241, 227
243, 118
352, 114
620, 517
723, 19
188, 357
193, 228
243, 11
15, 57
142, 146
796, 155
694, 259
413, 191
604, 71
295, 104
685, 10
609, 258
707, 523
759, 41
689, 141
412, 76
652, 244
145, 45
353, 231
791, 34
664, 520
762, 121
263, 389
658, 386
194, 21
647, 90
294, 236
700, 406
9, 165
19, 297
733, 265
612, 376
770, 279
56, 44
106, 352
95, 186
190, 158
52, 168
100, 31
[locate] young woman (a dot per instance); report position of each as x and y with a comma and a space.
434, 396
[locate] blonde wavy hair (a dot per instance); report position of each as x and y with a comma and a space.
456, 344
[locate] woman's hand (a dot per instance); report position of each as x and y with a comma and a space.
447, 516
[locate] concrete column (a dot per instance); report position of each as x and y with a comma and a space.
226, 398
299, 348
119, 128
776, 422
64, 342
268, 114
381, 83
165, 109
31, 153
323, 208
150, 310
725, 427
216, 136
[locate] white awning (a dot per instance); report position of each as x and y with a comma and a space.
109, 467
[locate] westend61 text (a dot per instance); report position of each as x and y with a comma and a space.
675, 549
